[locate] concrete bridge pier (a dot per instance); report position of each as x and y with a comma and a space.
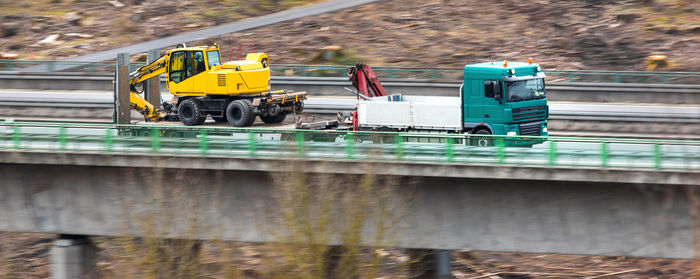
430, 264
73, 257
444, 264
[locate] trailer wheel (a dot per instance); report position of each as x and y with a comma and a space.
240, 113
482, 141
386, 138
190, 113
274, 119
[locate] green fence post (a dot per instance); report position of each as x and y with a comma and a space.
604, 154
203, 143
108, 140
300, 144
501, 153
62, 138
252, 144
399, 146
657, 156
552, 153
449, 151
155, 140
349, 146
15, 136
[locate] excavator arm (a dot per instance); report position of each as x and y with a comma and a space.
142, 74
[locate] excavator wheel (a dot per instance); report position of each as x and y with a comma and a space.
190, 113
240, 113
274, 119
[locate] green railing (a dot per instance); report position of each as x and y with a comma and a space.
597, 153
391, 72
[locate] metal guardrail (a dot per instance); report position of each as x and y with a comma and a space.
598, 153
393, 72
458, 74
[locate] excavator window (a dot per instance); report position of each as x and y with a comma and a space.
213, 58
178, 66
198, 65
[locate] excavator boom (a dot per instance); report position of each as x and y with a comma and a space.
151, 70
142, 74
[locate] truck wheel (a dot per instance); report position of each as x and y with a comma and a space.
274, 119
384, 138
189, 113
240, 113
482, 141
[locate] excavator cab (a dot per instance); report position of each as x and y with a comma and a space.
198, 71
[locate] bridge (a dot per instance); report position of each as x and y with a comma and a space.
599, 196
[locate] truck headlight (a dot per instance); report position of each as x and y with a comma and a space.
544, 130
512, 133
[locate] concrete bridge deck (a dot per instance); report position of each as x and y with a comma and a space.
481, 207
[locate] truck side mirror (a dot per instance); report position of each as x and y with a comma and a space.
497, 94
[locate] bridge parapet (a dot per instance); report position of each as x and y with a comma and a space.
606, 155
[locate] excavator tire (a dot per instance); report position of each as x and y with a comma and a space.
240, 113
190, 113
274, 119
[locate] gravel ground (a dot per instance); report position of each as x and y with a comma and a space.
25, 255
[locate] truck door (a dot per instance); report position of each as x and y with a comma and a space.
493, 101
179, 71
474, 106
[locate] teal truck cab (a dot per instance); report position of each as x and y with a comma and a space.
506, 98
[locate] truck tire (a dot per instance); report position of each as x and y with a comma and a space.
190, 113
482, 141
274, 119
240, 113
385, 138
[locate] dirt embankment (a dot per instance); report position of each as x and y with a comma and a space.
590, 34
59, 29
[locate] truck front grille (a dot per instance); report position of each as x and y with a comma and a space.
530, 129
527, 114
222, 79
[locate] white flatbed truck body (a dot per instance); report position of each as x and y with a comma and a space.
411, 112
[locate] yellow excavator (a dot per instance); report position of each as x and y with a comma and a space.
202, 86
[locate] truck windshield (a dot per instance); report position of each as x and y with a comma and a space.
524, 90
213, 58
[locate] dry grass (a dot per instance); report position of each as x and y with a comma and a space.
356, 213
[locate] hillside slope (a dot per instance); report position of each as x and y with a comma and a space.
586, 34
